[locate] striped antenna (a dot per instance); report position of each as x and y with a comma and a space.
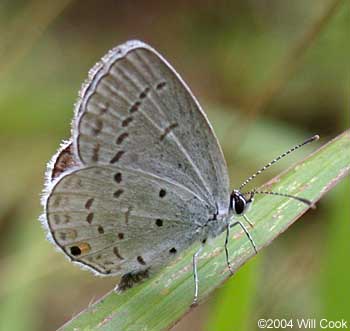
316, 137
306, 201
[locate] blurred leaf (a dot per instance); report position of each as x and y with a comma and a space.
161, 301
334, 267
234, 302
20, 294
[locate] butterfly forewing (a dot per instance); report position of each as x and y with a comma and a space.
137, 112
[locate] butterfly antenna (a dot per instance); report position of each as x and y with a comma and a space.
306, 201
313, 138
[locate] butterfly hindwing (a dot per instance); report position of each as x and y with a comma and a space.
116, 220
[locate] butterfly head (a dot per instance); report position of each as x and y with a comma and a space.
239, 204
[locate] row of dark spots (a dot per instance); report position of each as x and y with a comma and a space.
128, 120
90, 216
101, 230
77, 250
85, 247
143, 95
99, 123
118, 193
120, 139
142, 261
135, 107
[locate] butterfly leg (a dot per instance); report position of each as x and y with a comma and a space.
226, 249
246, 232
248, 221
195, 274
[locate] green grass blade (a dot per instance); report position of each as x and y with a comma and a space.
161, 301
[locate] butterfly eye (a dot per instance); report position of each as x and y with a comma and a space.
238, 202
240, 205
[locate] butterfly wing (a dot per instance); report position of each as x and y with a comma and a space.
136, 111
143, 154
117, 220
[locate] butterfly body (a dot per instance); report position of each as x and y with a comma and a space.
143, 176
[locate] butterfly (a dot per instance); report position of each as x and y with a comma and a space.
143, 176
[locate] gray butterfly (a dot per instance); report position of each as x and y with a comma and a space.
143, 176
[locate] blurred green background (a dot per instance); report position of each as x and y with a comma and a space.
268, 73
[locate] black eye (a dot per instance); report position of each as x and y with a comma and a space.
239, 205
